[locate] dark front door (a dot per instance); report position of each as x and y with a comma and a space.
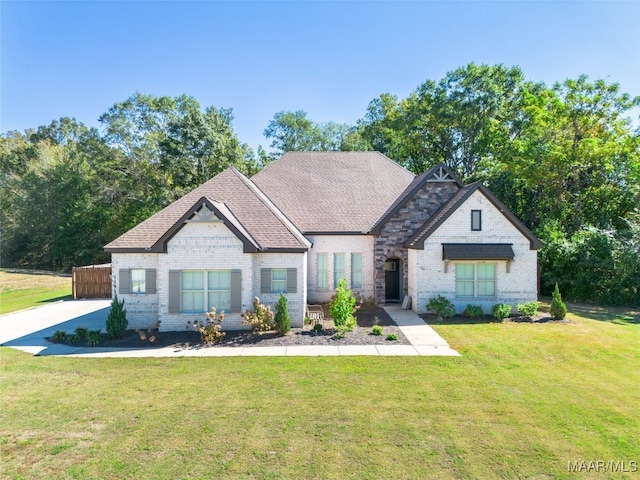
392, 280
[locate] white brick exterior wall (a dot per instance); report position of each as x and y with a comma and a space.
429, 278
346, 244
206, 246
295, 301
142, 310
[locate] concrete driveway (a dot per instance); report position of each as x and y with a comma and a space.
27, 329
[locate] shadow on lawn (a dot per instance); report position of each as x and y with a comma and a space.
618, 315
55, 299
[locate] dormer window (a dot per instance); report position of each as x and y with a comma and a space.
476, 220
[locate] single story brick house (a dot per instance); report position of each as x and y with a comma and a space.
310, 219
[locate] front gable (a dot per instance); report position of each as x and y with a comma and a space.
473, 215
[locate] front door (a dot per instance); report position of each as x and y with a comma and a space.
392, 280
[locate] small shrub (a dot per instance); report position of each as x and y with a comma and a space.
529, 309
261, 319
307, 320
376, 330
93, 337
317, 327
211, 329
392, 337
81, 332
149, 334
117, 320
60, 336
342, 330
441, 307
75, 338
343, 307
282, 319
558, 309
501, 311
473, 311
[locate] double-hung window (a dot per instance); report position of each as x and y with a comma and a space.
356, 271
138, 280
338, 268
279, 280
219, 290
322, 281
202, 290
475, 280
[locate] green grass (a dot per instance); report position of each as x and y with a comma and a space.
522, 401
26, 289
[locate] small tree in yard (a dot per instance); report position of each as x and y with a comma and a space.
283, 321
342, 308
558, 309
117, 320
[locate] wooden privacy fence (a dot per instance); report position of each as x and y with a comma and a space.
93, 281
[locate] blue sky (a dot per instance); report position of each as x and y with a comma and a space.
330, 59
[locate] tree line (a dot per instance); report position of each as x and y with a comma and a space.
564, 158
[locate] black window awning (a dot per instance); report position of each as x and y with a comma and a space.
477, 251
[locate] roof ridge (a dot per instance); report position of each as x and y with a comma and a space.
288, 224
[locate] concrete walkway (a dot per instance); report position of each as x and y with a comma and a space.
27, 331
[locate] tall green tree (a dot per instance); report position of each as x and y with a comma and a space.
293, 131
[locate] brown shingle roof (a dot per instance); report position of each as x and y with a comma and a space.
333, 191
244, 207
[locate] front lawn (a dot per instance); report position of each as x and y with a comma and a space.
523, 401
25, 289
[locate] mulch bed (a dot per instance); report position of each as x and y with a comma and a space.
460, 320
361, 335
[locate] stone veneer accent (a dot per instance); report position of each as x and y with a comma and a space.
399, 228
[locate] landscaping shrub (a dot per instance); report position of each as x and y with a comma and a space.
529, 309
376, 330
60, 336
501, 311
441, 307
392, 337
473, 311
93, 337
282, 319
148, 335
317, 328
342, 308
211, 329
558, 309
261, 319
117, 320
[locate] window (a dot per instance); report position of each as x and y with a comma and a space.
321, 271
193, 291
338, 268
214, 286
356, 270
219, 290
476, 220
138, 280
279, 280
475, 280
